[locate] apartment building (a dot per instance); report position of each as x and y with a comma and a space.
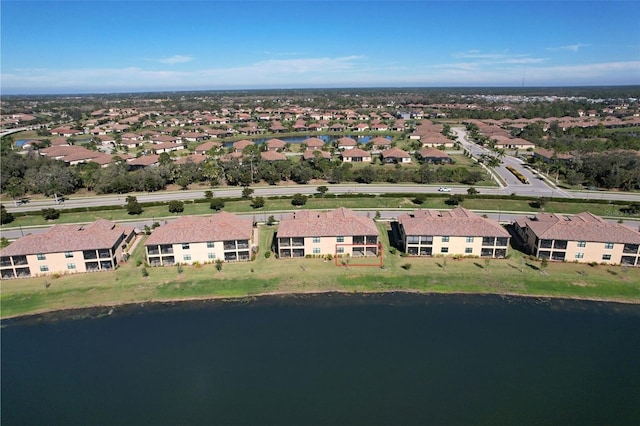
457, 232
202, 239
584, 237
338, 232
64, 249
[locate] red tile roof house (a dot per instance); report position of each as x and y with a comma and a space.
158, 139
65, 131
512, 143
339, 232
204, 148
549, 156
395, 155
379, 144
356, 155
143, 161
314, 143
451, 232
239, 146
584, 237
195, 136
434, 156
202, 239
167, 147
346, 143
71, 155
272, 156
275, 144
66, 249
312, 154
432, 140
361, 127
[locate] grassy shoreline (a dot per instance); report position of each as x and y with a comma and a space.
518, 275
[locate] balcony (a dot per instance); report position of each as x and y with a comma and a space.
502, 241
229, 245
153, 250
19, 260
5, 261
243, 244
560, 245
358, 240
546, 244
89, 255
23, 272
488, 241
166, 249
630, 249
297, 242
372, 239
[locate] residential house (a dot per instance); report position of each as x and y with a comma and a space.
239, 146
457, 232
143, 161
551, 156
314, 143
379, 144
356, 155
204, 148
66, 249
584, 237
395, 155
275, 145
339, 232
312, 154
203, 239
167, 147
346, 143
272, 156
434, 156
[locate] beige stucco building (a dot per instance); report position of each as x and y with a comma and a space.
339, 232
66, 249
584, 237
457, 232
202, 239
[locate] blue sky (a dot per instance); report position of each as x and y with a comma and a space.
112, 46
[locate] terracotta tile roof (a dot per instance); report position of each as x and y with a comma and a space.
355, 152
241, 145
314, 142
221, 226
207, 146
458, 222
339, 222
192, 158
145, 160
275, 143
395, 153
101, 234
380, 141
272, 156
549, 153
310, 154
433, 153
347, 142
584, 226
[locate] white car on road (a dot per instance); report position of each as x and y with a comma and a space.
444, 189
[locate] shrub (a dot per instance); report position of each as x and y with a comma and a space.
257, 203
299, 200
219, 265
216, 204
145, 273
267, 254
5, 216
406, 266
180, 268
50, 214
176, 206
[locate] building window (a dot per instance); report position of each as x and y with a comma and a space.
444, 250
41, 257
185, 246
68, 254
44, 268
210, 244
316, 240
340, 239
211, 255
582, 244
608, 246
71, 266
579, 255
340, 250
468, 250
606, 257
316, 250
469, 239
186, 257
445, 239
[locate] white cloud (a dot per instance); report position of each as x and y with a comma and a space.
498, 58
316, 72
570, 48
175, 59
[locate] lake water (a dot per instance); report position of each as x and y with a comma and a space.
335, 360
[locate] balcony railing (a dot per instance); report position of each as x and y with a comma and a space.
166, 249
